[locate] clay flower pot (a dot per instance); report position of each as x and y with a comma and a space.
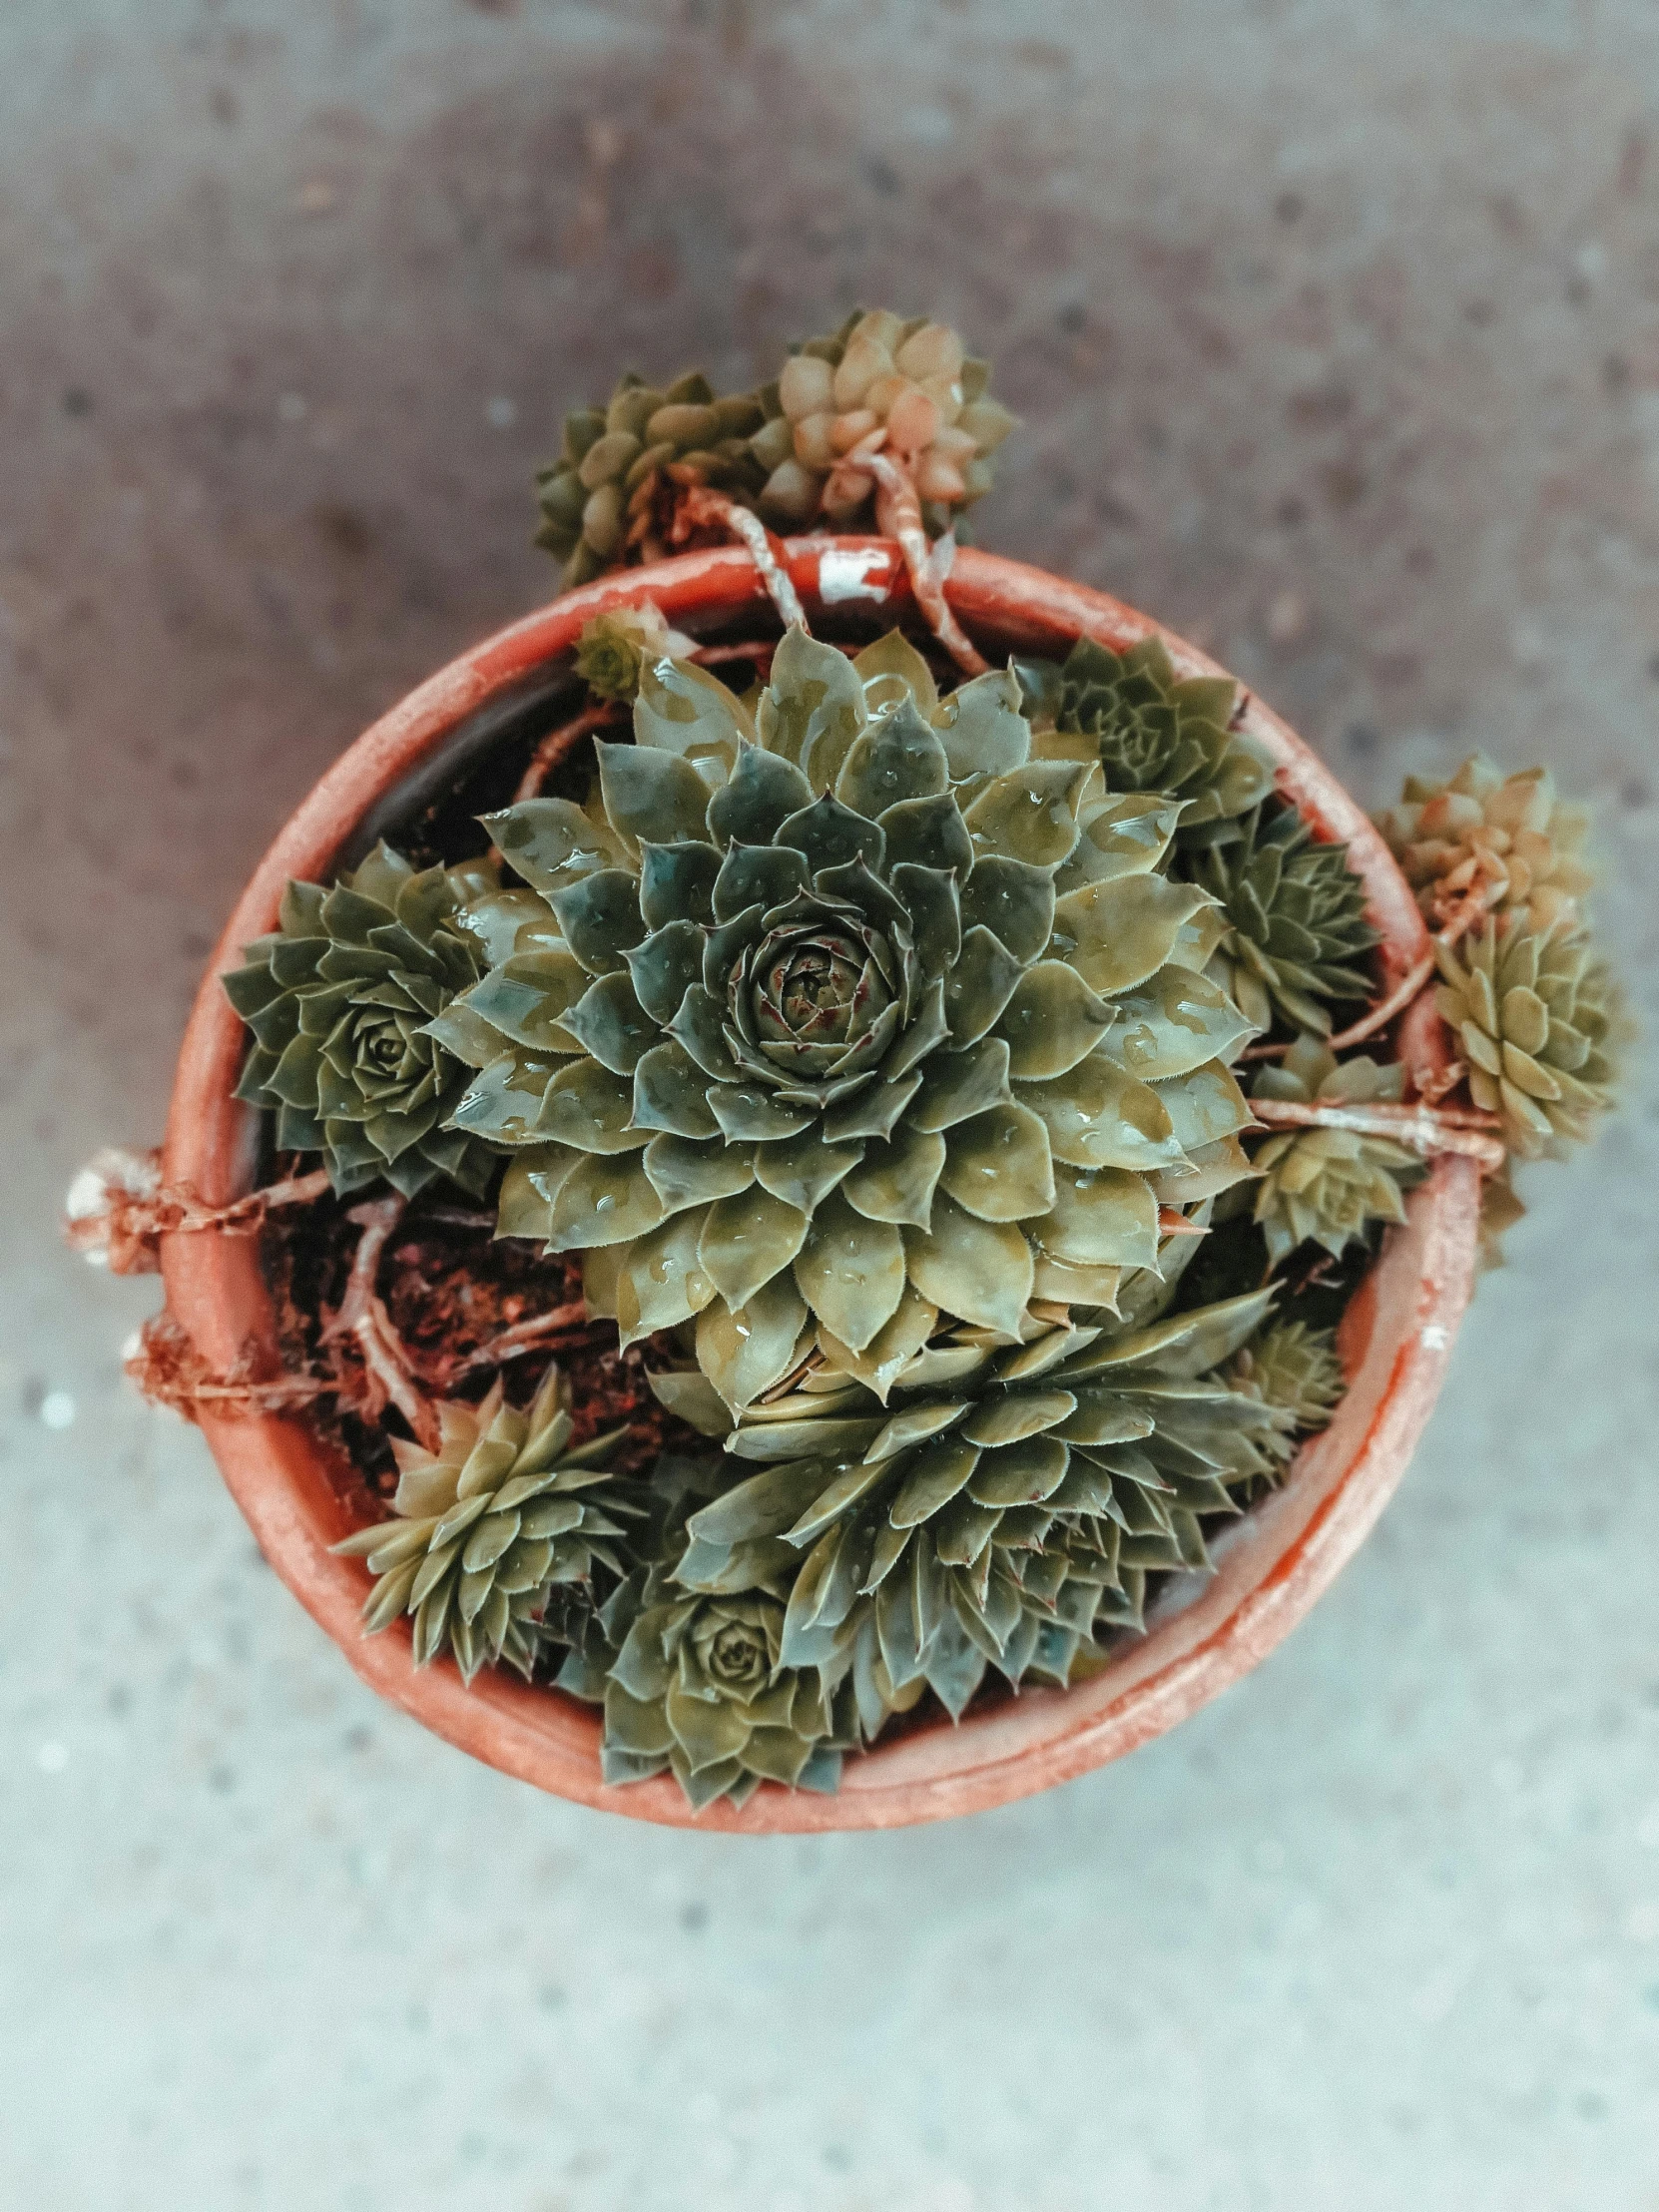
1205, 1631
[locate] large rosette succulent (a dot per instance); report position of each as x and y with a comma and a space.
339, 998
1003, 1507
821, 1026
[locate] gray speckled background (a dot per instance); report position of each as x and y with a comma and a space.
1335, 323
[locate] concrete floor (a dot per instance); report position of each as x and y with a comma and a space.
1335, 323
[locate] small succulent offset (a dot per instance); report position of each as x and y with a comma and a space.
339, 998
1153, 730
880, 384
1000, 1509
489, 1525
1504, 839
1538, 1018
614, 647
1296, 1369
602, 501
1328, 1185
1297, 935
825, 1023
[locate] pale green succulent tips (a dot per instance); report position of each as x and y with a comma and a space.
489, 1525
824, 1023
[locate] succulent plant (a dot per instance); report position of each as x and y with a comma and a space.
1153, 730
614, 647
1297, 934
1003, 1507
1294, 1369
339, 1000
1328, 1185
1538, 1018
878, 384
1504, 839
824, 1024
601, 500
489, 1525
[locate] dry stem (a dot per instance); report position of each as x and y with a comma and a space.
558, 742
387, 1369
118, 1210
1426, 1129
699, 509
899, 516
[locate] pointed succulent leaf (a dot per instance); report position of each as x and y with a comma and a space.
982, 727
677, 883
551, 843
686, 1173
934, 907
684, 710
980, 1270
813, 710
758, 874
664, 967
999, 1167
1015, 899
748, 1239
927, 833
1119, 933
661, 1282
830, 834
587, 1106
600, 919
763, 790
650, 796
1030, 813
1052, 1021
1097, 1116
1101, 1217
802, 1170
529, 1188
610, 1021
979, 987
891, 671
606, 1199
745, 1351
897, 757
851, 1271
894, 1181
1172, 1024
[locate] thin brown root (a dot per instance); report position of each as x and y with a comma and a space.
899, 516
760, 653
166, 1367
388, 1372
118, 1210
558, 744
700, 508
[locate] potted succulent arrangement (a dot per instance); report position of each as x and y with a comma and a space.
831, 1181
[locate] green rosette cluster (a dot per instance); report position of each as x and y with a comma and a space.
1294, 1369
1328, 1185
489, 1525
1001, 1508
599, 499
1538, 1018
1297, 934
1153, 730
339, 1000
816, 1027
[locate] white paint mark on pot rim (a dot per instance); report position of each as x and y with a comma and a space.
844, 572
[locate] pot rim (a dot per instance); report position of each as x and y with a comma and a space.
1204, 1633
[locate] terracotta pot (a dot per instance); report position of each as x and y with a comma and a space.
1204, 1633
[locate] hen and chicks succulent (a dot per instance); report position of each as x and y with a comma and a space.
874, 1048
